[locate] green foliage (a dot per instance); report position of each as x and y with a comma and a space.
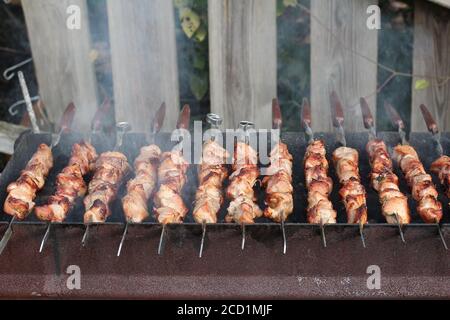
194, 50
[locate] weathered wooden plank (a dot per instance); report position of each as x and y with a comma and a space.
8, 134
61, 58
144, 62
431, 57
242, 60
334, 66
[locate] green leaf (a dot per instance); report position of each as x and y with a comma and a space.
190, 21
421, 84
280, 8
200, 35
199, 61
199, 85
290, 3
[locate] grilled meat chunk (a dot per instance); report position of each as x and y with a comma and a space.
21, 193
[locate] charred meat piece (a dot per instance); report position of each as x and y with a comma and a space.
141, 188
242, 208
69, 184
319, 184
211, 175
169, 206
423, 189
110, 170
21, 193
278, 184
393, 202
352, 192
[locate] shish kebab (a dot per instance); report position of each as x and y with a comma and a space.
21, 193
320, 209
441, 166
142, 186
243, 208
168, 204
28, 186
211, 175
110, 169
421, 183
394, 204
278, 181
345, 159
422, 187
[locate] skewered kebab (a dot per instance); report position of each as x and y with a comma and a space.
69, 184
110, 169
21, 193
19, 201
243, 208
141, 188
421, 184
345, 159
278, 182
320, 209
394, 204
168, 204
441, 166
212, 173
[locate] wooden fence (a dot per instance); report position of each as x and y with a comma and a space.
243, 59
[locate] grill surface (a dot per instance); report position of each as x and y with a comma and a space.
419, 268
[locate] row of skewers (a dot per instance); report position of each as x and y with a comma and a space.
163, 175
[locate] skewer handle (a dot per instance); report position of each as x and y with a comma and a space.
337, 112
306, 113
368, 120
158, 120
277, 119
184, 118
67, 118
394, 116
100, 114
429, 120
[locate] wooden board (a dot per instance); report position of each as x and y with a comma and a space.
144, 61
61, 59
431, 57
242, 60
8, 134
335, 67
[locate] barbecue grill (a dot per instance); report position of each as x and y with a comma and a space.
418, 268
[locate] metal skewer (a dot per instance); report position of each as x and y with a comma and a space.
337, 114
306, 121
369, 124
244, 126
435, 133
215, 121
27, 98
96, 127
400, 230
35, 129
397, 121
277, 122
121, 129
182, 123
156, 126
